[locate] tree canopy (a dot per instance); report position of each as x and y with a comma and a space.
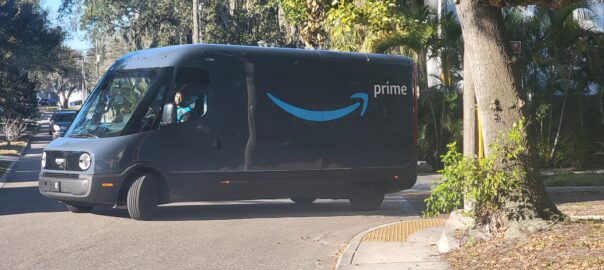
27, 44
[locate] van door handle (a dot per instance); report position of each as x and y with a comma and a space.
216, 144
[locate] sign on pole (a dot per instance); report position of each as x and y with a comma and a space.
516, 47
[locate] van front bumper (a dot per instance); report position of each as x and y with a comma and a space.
83, 189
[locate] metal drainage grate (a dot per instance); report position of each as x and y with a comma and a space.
400, 231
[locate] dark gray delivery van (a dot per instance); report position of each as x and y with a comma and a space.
216, 122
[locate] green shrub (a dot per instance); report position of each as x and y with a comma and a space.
484, 182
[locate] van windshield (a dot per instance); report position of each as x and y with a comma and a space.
112, 104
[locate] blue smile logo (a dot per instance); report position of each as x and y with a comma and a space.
322, 116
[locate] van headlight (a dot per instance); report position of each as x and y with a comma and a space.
56, 128
43, 159
85, 161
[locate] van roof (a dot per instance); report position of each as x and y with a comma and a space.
185, 54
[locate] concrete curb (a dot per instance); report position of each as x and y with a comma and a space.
594, 217
574, 189
348, 254
23, 149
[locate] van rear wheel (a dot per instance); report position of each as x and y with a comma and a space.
142, 198
74, 208
368, 198
303, 200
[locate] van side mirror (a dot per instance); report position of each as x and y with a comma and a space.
167, 116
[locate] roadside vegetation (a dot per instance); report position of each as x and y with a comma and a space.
14, 149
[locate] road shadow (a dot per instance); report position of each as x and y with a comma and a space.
572, 197
258, 209
26, 200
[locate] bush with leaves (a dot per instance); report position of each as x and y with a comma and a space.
484, 183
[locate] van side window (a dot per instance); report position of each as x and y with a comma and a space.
190, 93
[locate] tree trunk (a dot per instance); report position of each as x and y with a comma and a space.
195, 21
65, 95
469, 111
499, 104
470, 142
312, 33
232, 7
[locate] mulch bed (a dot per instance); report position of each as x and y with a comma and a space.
573, 245
578, 245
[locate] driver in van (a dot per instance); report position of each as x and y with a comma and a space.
183, 111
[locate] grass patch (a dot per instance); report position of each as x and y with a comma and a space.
574, 180
14, 149
3, 166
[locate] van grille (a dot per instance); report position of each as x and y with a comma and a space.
70, 160
61, 175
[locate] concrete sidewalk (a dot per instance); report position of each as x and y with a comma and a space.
412, 244
409, 244
26, 167
9, 158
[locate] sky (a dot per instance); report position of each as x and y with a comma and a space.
75, 39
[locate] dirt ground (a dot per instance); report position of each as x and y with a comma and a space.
570, 245
578, 245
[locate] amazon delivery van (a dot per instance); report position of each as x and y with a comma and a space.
217, 122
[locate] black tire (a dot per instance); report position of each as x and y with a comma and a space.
368, 198
303, 200
142, 198
74, 208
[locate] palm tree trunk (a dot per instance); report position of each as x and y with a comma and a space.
560, 120
424, 70
565, 96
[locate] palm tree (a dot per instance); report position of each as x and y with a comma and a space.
441, 123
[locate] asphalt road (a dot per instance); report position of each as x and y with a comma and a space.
38, 233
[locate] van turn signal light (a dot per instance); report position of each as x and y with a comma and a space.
107, 184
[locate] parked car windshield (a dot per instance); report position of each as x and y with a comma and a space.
63, 117
111, 105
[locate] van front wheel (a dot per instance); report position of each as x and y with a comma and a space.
142, 198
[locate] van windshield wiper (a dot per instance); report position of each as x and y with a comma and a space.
83, 135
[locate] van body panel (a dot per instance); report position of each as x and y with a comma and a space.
279, 123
